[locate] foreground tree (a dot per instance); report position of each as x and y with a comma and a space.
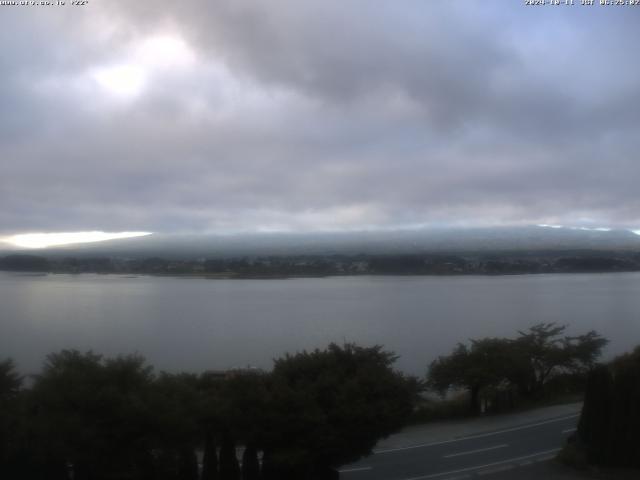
525, 364
595, 419
10, 380
176, 429
486, 362
330, 407
10, 385
244, 398
546, 351
92, 416
610, 419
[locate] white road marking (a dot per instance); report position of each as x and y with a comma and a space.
469, 452
569, 430
357, 469
501, 468
481, 435
545, 458
478, 467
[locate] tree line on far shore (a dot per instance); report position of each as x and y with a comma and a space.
317, 265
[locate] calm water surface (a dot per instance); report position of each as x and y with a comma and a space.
196, 324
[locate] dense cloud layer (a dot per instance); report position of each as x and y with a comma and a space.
288, 115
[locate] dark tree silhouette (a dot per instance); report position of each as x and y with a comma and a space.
210, 458
250, 464
10, 380
229, 465
10, 385
330, 407
93, 414
487, 362
610, 420
548, 352
95, 418
176, 408
595, 420
526, 363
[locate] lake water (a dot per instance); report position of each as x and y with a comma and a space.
195, 324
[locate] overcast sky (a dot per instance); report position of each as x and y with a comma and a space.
226, 116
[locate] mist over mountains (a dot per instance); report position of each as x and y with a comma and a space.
509, 240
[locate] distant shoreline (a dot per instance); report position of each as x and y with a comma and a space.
291, 277
333, 265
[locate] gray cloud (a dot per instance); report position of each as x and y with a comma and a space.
318, 115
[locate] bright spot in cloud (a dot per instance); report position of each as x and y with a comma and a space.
130, 74
44, 240
121, 80
164, 51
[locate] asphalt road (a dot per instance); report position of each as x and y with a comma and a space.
481, 455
